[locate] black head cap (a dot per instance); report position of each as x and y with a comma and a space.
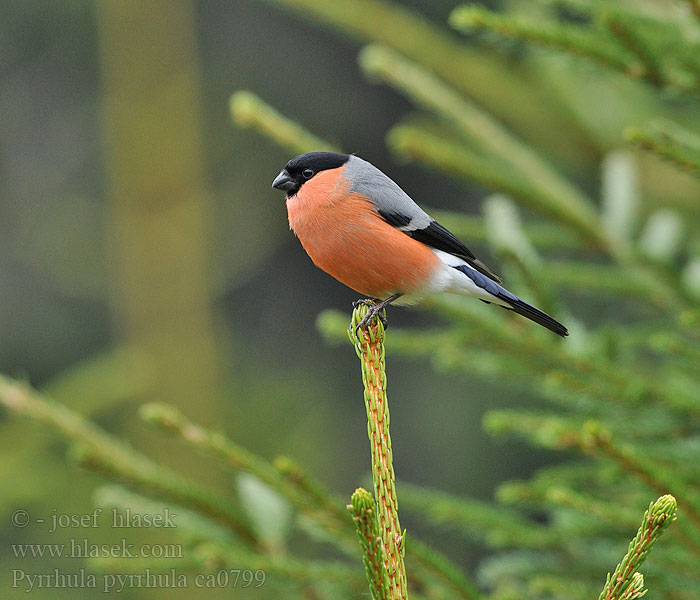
303, 167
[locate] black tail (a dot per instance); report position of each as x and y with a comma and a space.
534, 314
514, 303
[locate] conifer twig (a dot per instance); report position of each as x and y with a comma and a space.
694, 6
314, 491
670, 142
287, 567
504, 351
591, 278
306, 493
369, 345
545, 494
248, 110
571, 38
626, 583
558, 433
427, 563
543, 234
192, 526
645, 468
217, 444
456, 160
499, 526
363, 512
407, 31
100, 452
630, 38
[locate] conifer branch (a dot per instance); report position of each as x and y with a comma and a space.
97, 450
558, 433
500, 527
214, 556
216, 444
396, 26
314, 491
191, 525
504, 351
249, 111
669, 141
416, 143
630, 38
363, 513
427, 563
207, 543
626, 583
645, 468
449, 575
594, 278
627, 49
369, 346
547, 494
306, 493
571, 38
543, 234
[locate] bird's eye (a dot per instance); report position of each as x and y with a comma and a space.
307, 173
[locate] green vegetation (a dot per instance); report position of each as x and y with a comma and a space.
611, 250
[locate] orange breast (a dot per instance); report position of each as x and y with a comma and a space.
344, 236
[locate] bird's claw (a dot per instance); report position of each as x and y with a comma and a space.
374, 311
366, 301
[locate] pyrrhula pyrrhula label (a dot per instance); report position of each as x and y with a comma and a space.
360, 227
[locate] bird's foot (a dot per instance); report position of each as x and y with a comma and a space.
375, 310
366, 301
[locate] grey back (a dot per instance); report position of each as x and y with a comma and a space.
387, 196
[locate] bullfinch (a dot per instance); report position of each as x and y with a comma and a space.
360, 227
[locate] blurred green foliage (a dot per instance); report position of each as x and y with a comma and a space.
144, 259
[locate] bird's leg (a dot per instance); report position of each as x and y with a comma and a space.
375, 307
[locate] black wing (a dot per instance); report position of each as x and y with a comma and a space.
436, 236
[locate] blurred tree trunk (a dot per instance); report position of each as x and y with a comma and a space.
160, 212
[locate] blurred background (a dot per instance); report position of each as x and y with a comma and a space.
144, 256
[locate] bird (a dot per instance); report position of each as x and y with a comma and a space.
360, 227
